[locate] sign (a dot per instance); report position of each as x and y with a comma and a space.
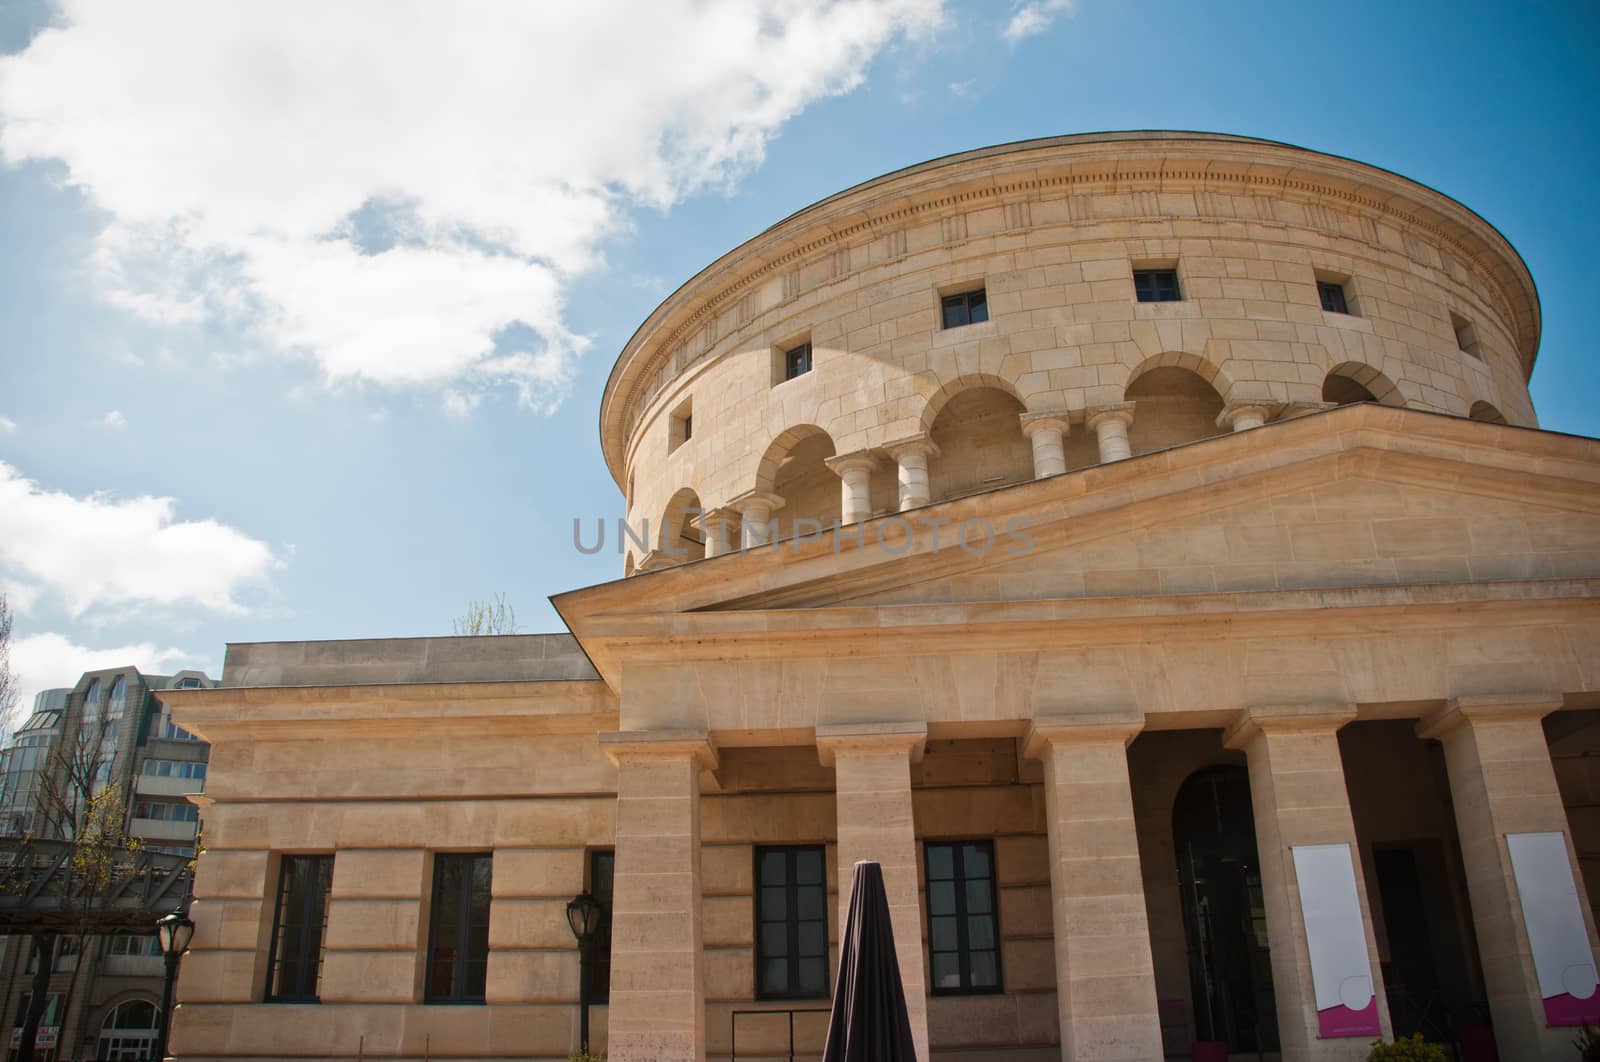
46, 1037
1556, 933
1336, 938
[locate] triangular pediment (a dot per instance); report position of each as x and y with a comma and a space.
1362, 496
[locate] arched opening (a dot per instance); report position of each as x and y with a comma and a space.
979, 435
1352, 382
129, 1031
795, 469
1174, 406
1486, 412
1224, 914
681, 537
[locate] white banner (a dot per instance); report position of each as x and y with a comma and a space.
1556, 932
1341, 973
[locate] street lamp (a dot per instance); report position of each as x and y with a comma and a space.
583, 915
173, 932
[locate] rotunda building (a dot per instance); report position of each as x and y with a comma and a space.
1025, 310
1141, 545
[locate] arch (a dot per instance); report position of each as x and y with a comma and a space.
1207, 370
1230, 971
1486, 411
981, 445
795, 468
1174, 405
1355, 381
971, 381
129, 1030
680, 537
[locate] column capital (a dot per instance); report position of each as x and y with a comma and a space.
1046, 420
1286, 718
659, 744
1047, 730
1233, 412
1487, 708
1300, 409
1094, 416
870, 737
739, 502
918, 445
654, 560
860, 459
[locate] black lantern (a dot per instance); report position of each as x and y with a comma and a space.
583, 916
174, 933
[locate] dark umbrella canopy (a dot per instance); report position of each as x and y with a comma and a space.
869, 1021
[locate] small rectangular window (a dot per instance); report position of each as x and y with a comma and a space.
791, 923
1466, 336
299, 923
964, 308
963, 931
458, 935
1332, 296
681, 425
797, 361
602, 871
1156, 285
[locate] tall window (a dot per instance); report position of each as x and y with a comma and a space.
791, 923
964, 308
1156, 285
129, 1031
299, 919
963, 934
1332, 296
797, 361
602, 870
458, 938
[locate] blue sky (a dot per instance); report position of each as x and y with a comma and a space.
344, 290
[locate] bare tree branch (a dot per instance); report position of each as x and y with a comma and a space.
487, 617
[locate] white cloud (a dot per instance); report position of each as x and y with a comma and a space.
102, 552
7, 426
1031, 17
388, 188
46, 661
115, 421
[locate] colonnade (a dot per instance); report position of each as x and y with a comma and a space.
1501, 778
746, 521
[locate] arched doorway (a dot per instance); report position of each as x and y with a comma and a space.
1224, 916
129, 1031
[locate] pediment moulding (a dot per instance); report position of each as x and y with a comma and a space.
1137, 166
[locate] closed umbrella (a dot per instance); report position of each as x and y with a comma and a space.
869, 1022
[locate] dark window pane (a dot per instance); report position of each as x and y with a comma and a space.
985, 971
1156, 285
978, 901
458, 939
968, 307
942, 933
978, 306
940, 864
980, 932
792, 926
1333, 299
797, 361
955, 312
963, 937
946, 970
974, 861
300, 917
942, 897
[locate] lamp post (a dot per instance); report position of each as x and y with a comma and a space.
583, 916
173, 932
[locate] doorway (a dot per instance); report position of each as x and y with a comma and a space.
1224, 916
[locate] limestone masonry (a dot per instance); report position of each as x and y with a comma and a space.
1265, 717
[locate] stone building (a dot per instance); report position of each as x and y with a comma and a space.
1142, 544
105, 991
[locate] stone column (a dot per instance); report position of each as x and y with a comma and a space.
1502, 781
755, 509
872, 772
1298, 791
657, 1011
855, 473
1110, 425
1047, 432
1105, 974
1243, 416
721, 527
912, 455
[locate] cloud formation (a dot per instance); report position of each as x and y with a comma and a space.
100, 552
1032, 17
403, 192
7, 426
115, 420
48, 660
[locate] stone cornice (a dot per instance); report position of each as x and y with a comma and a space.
1112, 162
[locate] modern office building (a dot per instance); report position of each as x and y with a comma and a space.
1142, 544
105, 991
